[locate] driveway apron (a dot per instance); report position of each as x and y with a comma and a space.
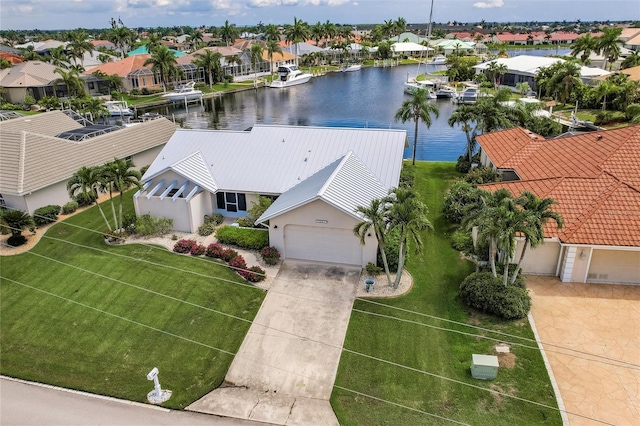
285, 368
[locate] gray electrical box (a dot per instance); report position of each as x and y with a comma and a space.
484, 367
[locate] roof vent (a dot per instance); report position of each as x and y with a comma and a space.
599, 137
305, 159
283, 140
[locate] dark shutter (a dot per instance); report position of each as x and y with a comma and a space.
220, 201
242, 203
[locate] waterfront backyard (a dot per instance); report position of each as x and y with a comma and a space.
80, 314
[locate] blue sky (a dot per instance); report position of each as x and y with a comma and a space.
71, 14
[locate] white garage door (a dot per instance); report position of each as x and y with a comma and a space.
614, 266
322, 244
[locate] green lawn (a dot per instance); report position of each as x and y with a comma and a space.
437, 274
48, 339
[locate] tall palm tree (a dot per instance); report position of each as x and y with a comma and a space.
584, 45
496, 71
316, 31
566, 79
122, 37
330, 31
163, 62
400, 26
408, 216
271, 33
211, 63
122, 177
417, 108
375, 216
78, 45
537, 211
608, 44
296, 33
256, 57
464, 115
89, 182
154, 40
72, 81
196, 38
388, 28
58, 58
228, 33
632, 60
272, 47
604, 89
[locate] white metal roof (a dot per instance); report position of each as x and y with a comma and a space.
530, 65
409, 47
271, 159
345, 184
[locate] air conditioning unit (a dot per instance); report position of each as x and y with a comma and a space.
484, 367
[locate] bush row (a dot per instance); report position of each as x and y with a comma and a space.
486, 293
246, 238
46, 214
235, 261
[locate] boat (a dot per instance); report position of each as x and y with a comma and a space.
411, 85
118, 109
446, 92
467, 96
184, 92
289, 75
439, 60
352, 68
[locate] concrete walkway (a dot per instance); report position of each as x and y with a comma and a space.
287, 364
598, 319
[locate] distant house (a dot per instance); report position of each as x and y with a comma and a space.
410, 49
40, 153
317, 176
523, 69
454, 45
132, 71
595, 178
97, 44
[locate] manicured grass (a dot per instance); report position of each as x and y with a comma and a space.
48, 339
437, 274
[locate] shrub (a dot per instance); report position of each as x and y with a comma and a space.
84, 199
238, 263
210, 223
407, 177
148, 225
247, 238
46, 214
462, 241
129, 222
270, 255
70, 207
391, 250
373, 269
198, 250
214, 250
228, 254
184, 246
459, 196
486, 293
256, 275
463, 165
16, 240
481, 175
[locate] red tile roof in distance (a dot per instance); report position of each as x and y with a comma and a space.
594, 177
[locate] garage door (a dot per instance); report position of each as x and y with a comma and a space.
614, 266
322, 244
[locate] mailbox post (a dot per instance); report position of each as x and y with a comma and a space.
157, 395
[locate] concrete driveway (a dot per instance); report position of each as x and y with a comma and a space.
599, 319
287, 364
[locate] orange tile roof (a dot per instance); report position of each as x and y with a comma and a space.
594, 177
122, 67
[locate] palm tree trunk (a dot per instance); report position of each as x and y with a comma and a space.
401, 257
120, 212
381, 247
104, 217
415, 142
505, 275
492, 256
517, 271
210, 80
113, 209
469, 145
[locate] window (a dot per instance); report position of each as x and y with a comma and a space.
231, 201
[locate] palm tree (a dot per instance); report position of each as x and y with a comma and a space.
121, 177
78, 45
228, 33
330, 31
296, 33
632, 60
196, 38
29, 54
496, 71
317, 32
122, 37
58, 58
417, 108
272, 47
16, 221
464, 115
95, 107
604, 89
490, 115
89, 182
584, 45
375, 217
163, 62
256, 57
153, 42
388, 28
400, 26
210, 62
537, 213
608, 44
408, 216
71, 80
271, 33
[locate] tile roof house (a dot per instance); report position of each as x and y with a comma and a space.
132, 71
36, 161
317, 176
595, 178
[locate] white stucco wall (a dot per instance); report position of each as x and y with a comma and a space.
308, 215
53, 194
177, 210
542, 260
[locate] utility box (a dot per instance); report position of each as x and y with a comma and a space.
484, 367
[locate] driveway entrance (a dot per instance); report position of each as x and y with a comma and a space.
287, 364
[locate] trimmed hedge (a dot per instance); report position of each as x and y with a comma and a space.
486, 293
246, 238
184, 246
270, 255
70, 207
46, 214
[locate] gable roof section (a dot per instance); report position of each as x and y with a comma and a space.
594, 177
194, 165
345, 184
122, 67
28, 74
270, 159
31, 158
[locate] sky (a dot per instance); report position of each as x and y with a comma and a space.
72, 14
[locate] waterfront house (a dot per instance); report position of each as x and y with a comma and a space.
39, 154
595, 178
317, 176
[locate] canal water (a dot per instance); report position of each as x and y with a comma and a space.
365, 99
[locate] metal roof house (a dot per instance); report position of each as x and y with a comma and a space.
318, 176
40, 153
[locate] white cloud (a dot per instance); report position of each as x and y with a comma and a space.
272, 3
488, 4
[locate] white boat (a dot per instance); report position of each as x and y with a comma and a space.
184, 92
446, 92
439, 60
290, 75
118, 109
411, 85
467, 96
352, 68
